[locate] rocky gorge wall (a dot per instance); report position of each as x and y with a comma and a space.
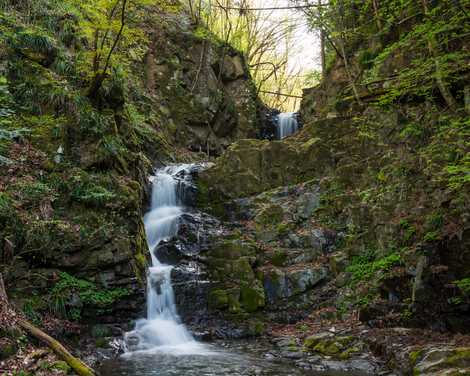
73, 187
359, 219
389, 162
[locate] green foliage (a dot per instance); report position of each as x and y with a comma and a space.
31, 193
464, 286
425, 48
31, 308
29, 40
366, 58
408, 230
434, 221
7, 110
87, 190
88, 293
203, 33
364, 267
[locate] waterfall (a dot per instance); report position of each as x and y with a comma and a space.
162, 329
286, 124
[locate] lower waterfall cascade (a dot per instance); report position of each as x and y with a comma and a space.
162, 329
287, 124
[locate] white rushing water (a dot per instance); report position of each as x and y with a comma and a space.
286, 124
162, 330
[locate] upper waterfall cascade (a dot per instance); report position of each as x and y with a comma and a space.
286, 124
162, 330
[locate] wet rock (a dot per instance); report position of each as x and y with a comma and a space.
292, 354
191, 285
195, 235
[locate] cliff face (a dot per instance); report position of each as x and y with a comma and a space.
73, 185
204, 87
387, 155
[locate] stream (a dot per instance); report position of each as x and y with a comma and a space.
245, 358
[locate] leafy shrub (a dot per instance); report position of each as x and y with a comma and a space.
88, 293
464, 285
90, 190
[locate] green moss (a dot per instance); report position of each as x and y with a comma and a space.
348, 352
234, 306
233, 250
7, 349
414, 355
252, 298
363, 268
460, 357
327, 348
279, 258
101, 343
218, 299
256, 328
283, 229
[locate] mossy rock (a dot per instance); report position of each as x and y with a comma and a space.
232, 249
256, 328
279, 258
414, 356
327, 344
218, 299
460, 357
242, 271
234, 306
445, 360
328, 348
270, 215
252, 297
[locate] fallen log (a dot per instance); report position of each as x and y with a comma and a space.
76, 364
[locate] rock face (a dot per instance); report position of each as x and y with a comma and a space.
283, 284
267, 259
205, 88
404, 263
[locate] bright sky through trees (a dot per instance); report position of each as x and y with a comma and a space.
306, 54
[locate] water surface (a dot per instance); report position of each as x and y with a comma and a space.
206, 360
